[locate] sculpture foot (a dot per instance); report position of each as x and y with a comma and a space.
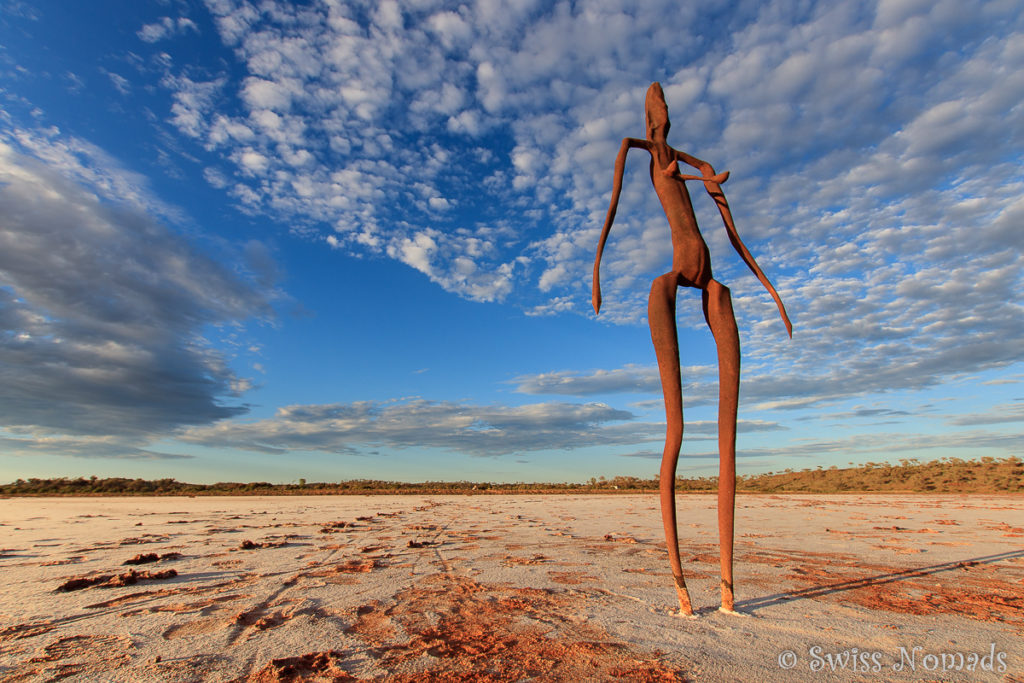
685, 609
727, 596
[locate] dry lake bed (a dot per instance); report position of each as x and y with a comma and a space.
329, 588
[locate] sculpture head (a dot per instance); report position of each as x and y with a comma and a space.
656, 113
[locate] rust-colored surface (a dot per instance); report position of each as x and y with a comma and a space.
691, 267
978, 589
454, 628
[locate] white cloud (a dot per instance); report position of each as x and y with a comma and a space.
120, 82
192, 102
215, 177
627, 379
166, 27
452, 29
253, 162
416, 251
259, 93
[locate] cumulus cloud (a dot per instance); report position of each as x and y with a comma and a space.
193, 101
103, 309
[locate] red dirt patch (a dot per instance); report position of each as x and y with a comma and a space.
258, 620
571, 578
974, 589
129, 578
144, 558
373, 623
73, 655
24, 630
620, 539
70, 560
315, 667
250, 545
452, 628
357, 566
536, 559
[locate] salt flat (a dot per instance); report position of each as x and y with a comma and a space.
855, 587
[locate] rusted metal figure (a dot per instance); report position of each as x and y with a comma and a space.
691, 267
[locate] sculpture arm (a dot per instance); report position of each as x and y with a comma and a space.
715, 190
620, 165
701, 165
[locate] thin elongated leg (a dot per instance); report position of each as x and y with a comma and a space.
661, 315
719, 314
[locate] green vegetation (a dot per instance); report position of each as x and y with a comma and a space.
949, 475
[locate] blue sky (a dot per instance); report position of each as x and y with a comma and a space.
334, 240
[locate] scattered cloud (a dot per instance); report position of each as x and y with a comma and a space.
875, 157
873, 149
122, 84
166, 27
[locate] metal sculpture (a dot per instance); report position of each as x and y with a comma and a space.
691, 267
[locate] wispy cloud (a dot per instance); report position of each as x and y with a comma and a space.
631, 378
465, 428
166, 27
1000, 414
103, 309
491, 430
873, 373
115, 447
887, 447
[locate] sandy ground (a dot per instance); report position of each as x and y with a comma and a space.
862, 587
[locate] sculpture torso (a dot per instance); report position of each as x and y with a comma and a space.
690, 255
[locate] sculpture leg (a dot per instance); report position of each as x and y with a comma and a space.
719, 315
661, 315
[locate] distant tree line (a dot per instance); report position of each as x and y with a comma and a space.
948, 475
